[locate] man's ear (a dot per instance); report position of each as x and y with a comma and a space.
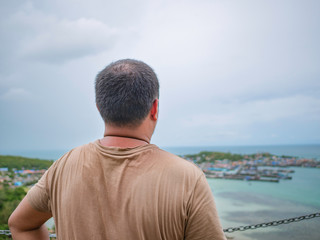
97, 107
155, 110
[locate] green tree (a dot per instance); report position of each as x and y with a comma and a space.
9, 200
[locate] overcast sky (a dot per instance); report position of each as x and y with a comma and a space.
242, 72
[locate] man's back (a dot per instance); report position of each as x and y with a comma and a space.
98, 192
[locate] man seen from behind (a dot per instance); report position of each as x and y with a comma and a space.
121, 186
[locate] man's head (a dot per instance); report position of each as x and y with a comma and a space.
125, 91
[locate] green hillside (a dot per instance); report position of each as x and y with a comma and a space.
18, 162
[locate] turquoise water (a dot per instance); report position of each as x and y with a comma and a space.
304, 187
241, 203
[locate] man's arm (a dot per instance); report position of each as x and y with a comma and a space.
203, 221
27, 223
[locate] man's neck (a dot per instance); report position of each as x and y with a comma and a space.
126, 137
122, 141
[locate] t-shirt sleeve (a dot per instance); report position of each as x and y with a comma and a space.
38, 196
203, 220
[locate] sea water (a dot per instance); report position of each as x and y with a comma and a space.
242, 203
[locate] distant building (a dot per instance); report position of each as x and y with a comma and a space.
18, 184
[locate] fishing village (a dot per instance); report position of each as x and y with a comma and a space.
19, 171
16, 171
255, 167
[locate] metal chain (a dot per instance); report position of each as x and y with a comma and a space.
273, 223
8, 233
230, 230
5, 232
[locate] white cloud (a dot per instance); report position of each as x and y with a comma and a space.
261, 111
64, 40
229, 51
15, 94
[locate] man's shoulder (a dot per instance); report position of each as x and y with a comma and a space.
175, 158
161, 157
176, 162
76, 152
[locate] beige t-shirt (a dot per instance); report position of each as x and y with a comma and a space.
97, 192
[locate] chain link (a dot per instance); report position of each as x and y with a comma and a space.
230, 230
5, 232
273, 223
8, 233
52, 235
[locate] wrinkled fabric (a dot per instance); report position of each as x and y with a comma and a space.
98, 192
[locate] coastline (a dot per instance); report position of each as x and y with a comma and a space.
300, 150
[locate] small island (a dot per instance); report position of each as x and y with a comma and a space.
250, 167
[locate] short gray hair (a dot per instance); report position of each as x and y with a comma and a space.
125, 91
